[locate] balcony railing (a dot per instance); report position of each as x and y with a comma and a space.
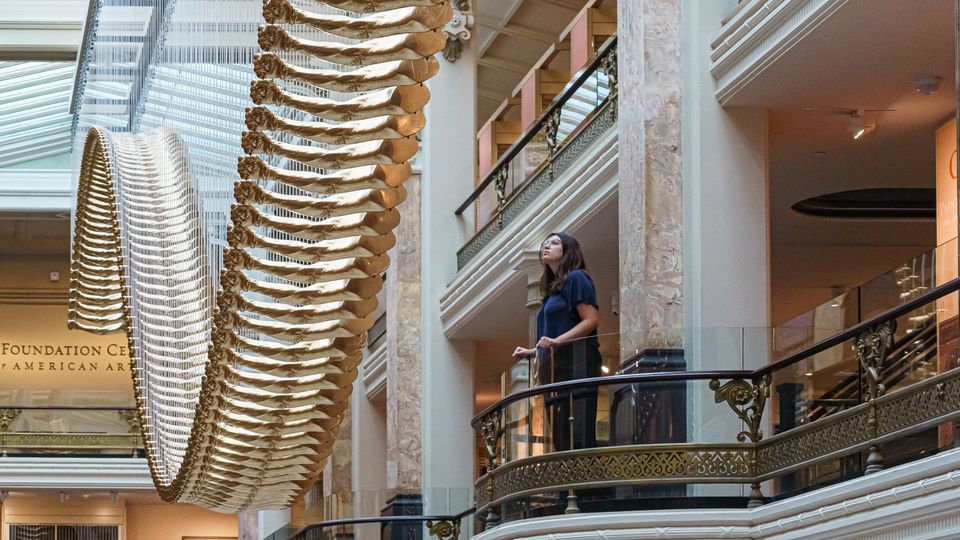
875, 395
585, 110
102, 431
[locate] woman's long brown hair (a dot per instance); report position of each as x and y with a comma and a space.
572, 259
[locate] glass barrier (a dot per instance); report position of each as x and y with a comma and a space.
715, 418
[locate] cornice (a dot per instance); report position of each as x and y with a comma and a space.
374, 372
60, 473
759, 33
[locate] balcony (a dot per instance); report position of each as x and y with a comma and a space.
561, 138
878, 394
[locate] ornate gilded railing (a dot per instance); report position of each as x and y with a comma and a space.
585, 110
772, 434
69, 430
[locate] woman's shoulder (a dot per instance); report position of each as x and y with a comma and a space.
579, 274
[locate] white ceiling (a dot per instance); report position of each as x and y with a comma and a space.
866, 55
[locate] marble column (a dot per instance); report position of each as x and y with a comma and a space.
532, 268
650, 197
338, 471
248, 525
404, 448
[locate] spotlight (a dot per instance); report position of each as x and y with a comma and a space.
64, 496
858, 125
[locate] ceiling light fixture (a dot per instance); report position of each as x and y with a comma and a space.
928, 84
858, 125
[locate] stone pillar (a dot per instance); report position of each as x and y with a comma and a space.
449, 170
532, 268
651, 209
403, 297
338, 471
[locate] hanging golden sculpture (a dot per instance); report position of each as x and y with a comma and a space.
241, 392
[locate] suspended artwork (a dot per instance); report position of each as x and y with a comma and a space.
243, 362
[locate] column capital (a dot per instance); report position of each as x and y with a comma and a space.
458, 30
529, 263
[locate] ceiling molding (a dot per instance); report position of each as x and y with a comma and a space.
93, 473
40, 190
759, 35
34, 296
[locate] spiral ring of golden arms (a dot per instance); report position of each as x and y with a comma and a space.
241, 410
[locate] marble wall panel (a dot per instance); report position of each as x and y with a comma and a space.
403, 304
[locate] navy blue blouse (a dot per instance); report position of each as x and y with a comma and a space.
558, 312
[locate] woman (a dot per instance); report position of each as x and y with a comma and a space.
567, 346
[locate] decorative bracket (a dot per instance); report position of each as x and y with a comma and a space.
458, 30
444, 530
747, 400
872, 346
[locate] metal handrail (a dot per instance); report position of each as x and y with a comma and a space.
852, 332
846, 335
634, 378
535, 128
453, 518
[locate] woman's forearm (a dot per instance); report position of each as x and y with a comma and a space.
581, 330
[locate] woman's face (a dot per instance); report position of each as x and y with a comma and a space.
551, 251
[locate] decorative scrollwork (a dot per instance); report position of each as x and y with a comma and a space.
491, 427
500, 185
747, 400
551, 127
444, 530
608, 65
872, 346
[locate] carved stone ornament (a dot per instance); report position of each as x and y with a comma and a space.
458, 30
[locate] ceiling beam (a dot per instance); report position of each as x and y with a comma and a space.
574, 5
515, 30
490, 95
501, 63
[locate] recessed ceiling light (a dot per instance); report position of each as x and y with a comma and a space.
819, 153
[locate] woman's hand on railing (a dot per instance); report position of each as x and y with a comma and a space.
548, 343
521, 352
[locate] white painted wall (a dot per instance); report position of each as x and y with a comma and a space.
448, 162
